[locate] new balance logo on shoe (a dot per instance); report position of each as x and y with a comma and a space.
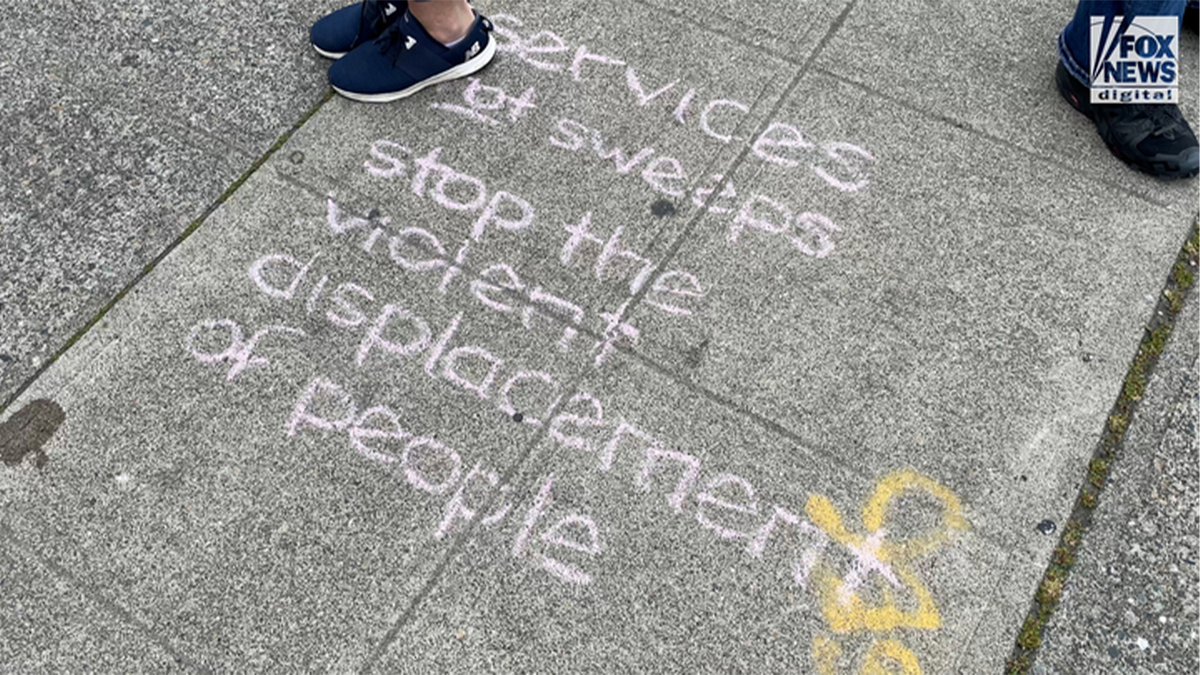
473, 50
408, 43
389, 10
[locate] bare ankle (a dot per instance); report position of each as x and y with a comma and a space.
446, 21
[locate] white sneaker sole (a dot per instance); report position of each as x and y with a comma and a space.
329, 55
461, 70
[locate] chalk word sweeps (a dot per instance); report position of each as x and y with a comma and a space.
810, 233
843, 165
670, 291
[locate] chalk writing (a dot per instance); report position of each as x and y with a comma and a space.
483, 102
840, 164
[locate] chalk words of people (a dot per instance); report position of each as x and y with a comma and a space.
759, 215
842, 165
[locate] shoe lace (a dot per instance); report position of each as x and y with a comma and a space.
392, 42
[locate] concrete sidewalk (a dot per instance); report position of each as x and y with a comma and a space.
709, 349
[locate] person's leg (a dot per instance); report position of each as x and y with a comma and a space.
1150, 137
446, 21
1074, 40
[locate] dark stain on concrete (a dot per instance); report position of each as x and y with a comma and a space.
662, 208
28, 430
694, 357
518, 417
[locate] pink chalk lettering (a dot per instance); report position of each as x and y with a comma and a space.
748, 217
821, 228
439, 347
311, 303
386, 165
802, 568
400, 239
492, 215
582, 55
417, 477
635, 85
660, 171
706, 126
375, 337
594, 419
321, 390
707, 498
457, 509
860, 170
556, 536
540, 503
351, 315
780, 135
261, 269
866, 562
499, 279
620, 160
614, 329
575, 133
684, 103
239, 352
612, 251
451, 374
552, 305
677, 284
505, 398
623, 430
656, 456
362, 430
453, 270
728, 193
529, 48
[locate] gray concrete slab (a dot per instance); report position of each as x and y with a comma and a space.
1130, 603
672, 578
990, 66
379, 412
242, 71
51, 626
787, 31
971, 315
123, 122
92, 193
242, 543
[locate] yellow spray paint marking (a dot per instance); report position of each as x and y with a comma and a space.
844, 611
876, 662
825, 653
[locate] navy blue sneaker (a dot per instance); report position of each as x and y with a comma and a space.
335, 35
405, 60
1151, 137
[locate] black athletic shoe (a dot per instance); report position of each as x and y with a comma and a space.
1150, 137
335, 34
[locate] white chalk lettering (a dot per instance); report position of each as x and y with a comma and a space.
657, 455
707, 498
375, 337
706, 126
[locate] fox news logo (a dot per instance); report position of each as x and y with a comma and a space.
1137, 64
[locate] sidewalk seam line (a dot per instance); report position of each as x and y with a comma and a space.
162, 255
1109, 449
94, 595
